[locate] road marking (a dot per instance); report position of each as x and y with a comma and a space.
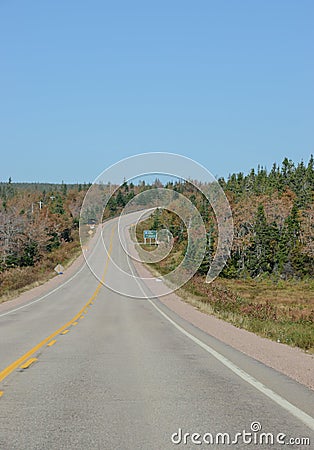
82, 317
28, 363
294, 410
54, 290
1, 393
301, 415
65, 332
9, 369
74, 324
46, 295
51, 343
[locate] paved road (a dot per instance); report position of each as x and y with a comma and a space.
131, 373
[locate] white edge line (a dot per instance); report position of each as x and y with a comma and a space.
55, 289
46, 295
301, 415
295, 411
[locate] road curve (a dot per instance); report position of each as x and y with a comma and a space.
110, 371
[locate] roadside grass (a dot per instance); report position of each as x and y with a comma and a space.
291, 293
283, 313
17, 280
281, 310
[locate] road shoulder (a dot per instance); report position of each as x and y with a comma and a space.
44, 289
291, 361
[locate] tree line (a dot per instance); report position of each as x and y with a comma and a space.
35, 220
273, 214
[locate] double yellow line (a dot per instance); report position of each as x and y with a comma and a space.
9, 369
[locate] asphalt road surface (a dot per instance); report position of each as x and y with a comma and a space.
126, 373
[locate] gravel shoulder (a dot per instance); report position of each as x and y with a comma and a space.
291, 361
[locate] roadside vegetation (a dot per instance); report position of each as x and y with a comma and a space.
38, 230
267, 285
276, 308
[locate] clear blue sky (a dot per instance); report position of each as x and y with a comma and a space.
84, 84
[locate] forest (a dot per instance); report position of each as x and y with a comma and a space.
273, 216
273, 213
38, 229
267, 285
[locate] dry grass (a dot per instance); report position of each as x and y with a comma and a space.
282, 311
20, 279
283, 292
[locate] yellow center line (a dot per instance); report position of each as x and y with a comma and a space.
52, 343
9, 369
28, 363
65, 331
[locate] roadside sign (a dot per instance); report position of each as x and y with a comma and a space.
150, 234
59, 269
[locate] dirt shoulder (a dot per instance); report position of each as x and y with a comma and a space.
291, 361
